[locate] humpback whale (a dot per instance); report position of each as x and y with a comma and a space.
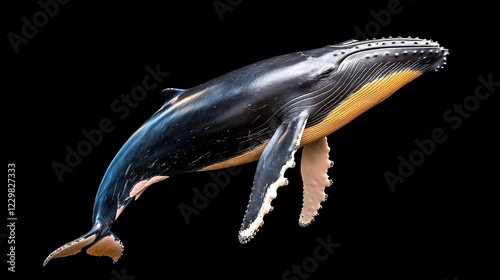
261, 112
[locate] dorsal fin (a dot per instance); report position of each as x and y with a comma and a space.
171, 93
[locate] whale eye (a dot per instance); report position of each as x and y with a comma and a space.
326, 70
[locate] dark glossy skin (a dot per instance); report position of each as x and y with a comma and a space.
239, 112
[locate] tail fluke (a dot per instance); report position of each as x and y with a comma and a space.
96, 242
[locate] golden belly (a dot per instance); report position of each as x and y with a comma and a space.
359, 102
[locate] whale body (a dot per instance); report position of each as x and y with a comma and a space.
262, 112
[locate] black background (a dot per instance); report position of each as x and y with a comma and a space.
437, 224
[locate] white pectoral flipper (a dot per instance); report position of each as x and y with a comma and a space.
276, 158
314, 167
